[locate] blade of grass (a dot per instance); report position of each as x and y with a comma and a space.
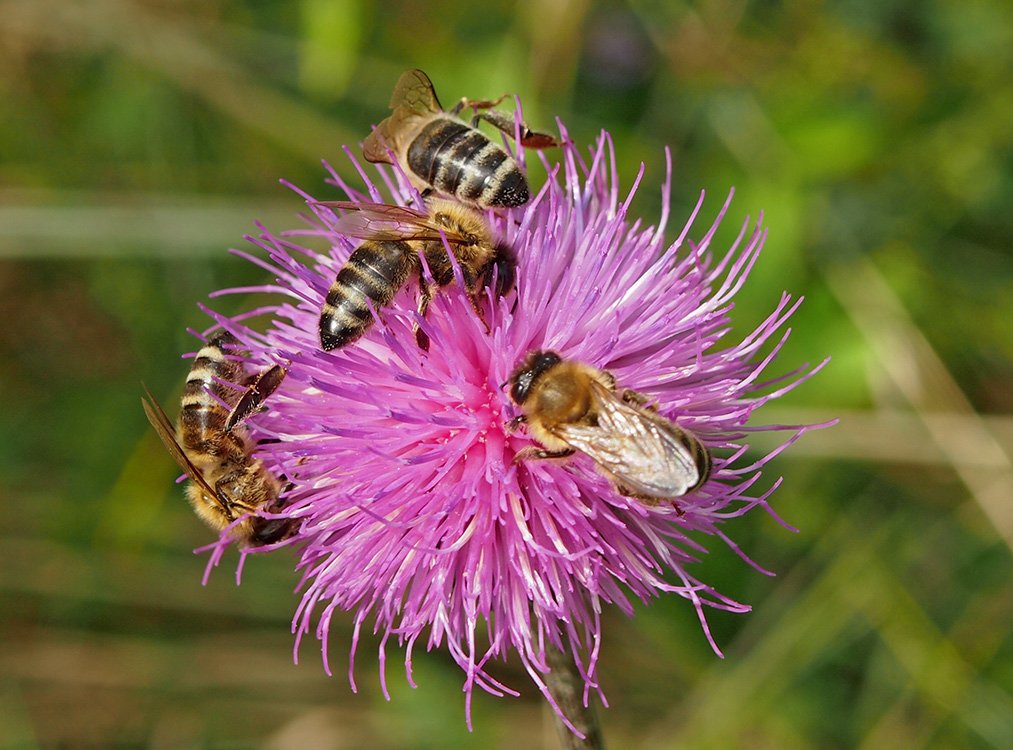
56, 225
924, 381
784, 637
164, 43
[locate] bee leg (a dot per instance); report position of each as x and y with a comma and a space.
637, 399
625, 491
648, 500
516, 422
474, 284
476, 104
424, 194
505, 122
540, 454
501, 269
426, 294
484, 110
536, 140
229, 507
257, 392
478, 313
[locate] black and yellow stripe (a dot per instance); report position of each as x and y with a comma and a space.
374, 272
201, 410
701, 458
202, 415
460, 160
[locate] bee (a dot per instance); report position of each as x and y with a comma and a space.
440, 150
570, 406
394, 237
211, 445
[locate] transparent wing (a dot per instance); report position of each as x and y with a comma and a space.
158, 419
414, 91
414, 97
380, 221
645, 453
380, 140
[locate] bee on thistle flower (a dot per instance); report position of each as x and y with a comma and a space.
414, 513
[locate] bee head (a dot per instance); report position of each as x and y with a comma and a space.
536, 364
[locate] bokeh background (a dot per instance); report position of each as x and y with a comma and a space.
140, 139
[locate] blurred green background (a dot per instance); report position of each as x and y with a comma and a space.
139, 139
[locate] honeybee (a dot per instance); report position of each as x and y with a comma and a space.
394, 236
570, 406
440, 150
214, 449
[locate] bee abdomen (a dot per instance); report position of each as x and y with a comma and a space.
698, 454
374, 272
204, 394
206, 442
461, 161
701, 457
201, 412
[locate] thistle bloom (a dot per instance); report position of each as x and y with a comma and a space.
414, 515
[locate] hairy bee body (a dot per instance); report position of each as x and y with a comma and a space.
570, 406
375, 272
395, 237
459, 160
216, 453
441, 151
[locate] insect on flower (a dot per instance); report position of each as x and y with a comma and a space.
570, 406
439, 150
211, 445
396, 237
415, 515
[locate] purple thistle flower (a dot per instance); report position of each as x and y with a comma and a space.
414, 515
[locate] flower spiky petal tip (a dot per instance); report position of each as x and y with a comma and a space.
414, 513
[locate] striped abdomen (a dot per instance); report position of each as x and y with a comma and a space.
701, 458
203, 416
375, 271
460, 160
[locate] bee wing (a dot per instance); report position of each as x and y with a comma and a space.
644, 452
413, 97
414, 91
378, 142
380, 221
158, 419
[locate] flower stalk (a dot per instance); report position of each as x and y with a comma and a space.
581, 730
414, 512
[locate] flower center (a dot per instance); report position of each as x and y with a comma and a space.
480, 440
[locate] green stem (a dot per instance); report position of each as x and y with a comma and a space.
567, 688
